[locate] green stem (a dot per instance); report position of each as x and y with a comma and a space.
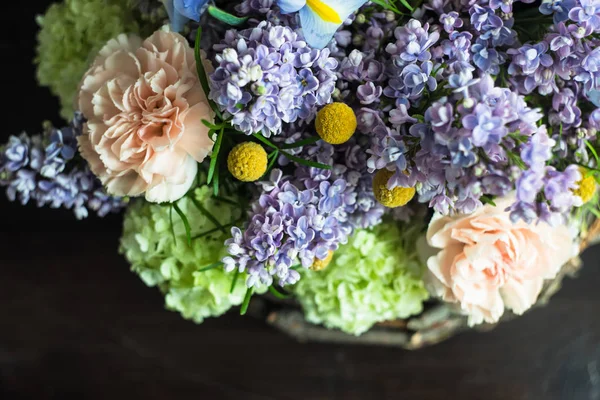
186, 223
215, 155
234, 280
211, 266
246, 302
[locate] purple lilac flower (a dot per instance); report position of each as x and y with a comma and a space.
16, 153
487, 59
369, 93
267, 76
504, 5
588, 72
31, 171
565, 110
300, 218
538, 150
558, 8
528, 58
485, 126
587, 12
413, 42
556, 186
451, 21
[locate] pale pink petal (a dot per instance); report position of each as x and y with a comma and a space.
519, 296
196, 141
144, 106
166, 163
176, 187
488, 263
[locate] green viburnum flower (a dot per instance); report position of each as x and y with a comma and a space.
375, 277
173, 265
71, 34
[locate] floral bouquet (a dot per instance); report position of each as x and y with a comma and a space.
402, 169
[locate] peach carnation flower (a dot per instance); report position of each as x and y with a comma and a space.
487, 263
144, 107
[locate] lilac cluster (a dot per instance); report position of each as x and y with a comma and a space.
44, 168
411, 70
461, 151
301, 218
568, 56
542, 191
492, 33
268, 76
443, 101
265, 10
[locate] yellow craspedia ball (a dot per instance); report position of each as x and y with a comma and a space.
320, 265
247, 161
397, 197
587, 186
336, 123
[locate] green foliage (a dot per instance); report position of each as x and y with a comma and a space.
375, 277
71, 34
189, 274
226, 17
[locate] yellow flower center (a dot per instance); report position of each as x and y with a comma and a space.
319, 265
587, 186
247, 161
336, 123
325, 12
397, 197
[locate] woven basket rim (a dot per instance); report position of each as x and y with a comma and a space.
439, 320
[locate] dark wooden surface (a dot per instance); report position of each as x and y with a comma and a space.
76, 324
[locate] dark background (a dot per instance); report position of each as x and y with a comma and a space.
75, 323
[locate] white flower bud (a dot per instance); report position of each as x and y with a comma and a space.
230, 55
355, 57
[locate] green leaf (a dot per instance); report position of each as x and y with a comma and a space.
217, 229
264, 140
279, 294
246, 302
594, 211
214, 156
202, 73
226, 200
299, 160
208, 215
487, 200
211, 266
273, 157
225, 17
302, 161
186, 223
387, 5
172, 226
301, 143
211, 126
216, 182
405, 4
234, 280
203, 234
594, 152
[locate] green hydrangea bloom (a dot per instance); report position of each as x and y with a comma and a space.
71, 34
173, 265
375, 277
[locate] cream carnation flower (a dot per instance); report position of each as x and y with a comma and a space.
487, 263
145, 105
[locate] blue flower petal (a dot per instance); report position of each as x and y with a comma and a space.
191, 9
290, 6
